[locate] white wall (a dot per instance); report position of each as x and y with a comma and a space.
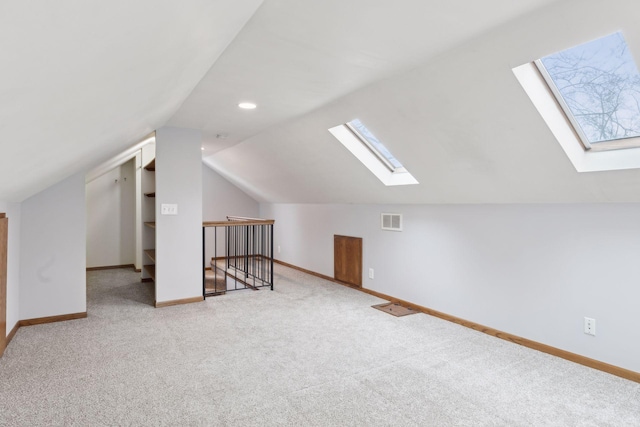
111, 214
52, 251
221, 198
530, 270
13, 263
178, 177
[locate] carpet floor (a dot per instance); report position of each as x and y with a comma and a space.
310, 353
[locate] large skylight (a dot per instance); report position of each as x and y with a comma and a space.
363, 144
597, 84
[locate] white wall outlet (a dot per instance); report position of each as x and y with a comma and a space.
168, 209
589, 326
278, 248
371, 273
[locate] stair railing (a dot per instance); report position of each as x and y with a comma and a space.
248, 255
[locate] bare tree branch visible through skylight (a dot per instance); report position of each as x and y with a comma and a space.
600, 84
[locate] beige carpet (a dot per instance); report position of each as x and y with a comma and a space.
310, 353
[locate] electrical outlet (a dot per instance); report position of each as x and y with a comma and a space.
589, 326
371, 273
168, 209
278, 248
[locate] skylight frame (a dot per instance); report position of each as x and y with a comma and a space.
538, 92
363, 150
607, 145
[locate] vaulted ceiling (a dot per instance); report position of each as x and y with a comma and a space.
83, 81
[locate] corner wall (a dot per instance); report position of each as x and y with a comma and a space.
530, 270
178, 237
52, 251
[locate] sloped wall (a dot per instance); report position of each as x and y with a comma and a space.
221, 198
530, 270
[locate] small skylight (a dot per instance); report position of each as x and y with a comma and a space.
374, 144
597, 85
363, 144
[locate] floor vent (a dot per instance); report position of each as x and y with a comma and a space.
391, 221
395, 309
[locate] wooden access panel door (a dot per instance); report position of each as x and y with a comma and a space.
347, 259
4, 229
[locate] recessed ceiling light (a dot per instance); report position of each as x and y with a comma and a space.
202, 148
247, 105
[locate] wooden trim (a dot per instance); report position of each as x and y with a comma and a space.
322, 276
534, 345
146, 280
159, 304
4, 251
13, 332
52, 319
111, 267
41, 321
237, 223
138, 270
150, 224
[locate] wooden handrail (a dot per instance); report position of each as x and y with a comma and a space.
238, 223
243, 218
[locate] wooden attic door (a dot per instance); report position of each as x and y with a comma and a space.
347, 259
4, 229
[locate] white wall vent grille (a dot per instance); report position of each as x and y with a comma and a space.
391, 221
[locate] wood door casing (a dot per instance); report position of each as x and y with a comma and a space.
4, 230
347, 259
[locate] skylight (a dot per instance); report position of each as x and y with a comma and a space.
374, 144
597, 85
363, 144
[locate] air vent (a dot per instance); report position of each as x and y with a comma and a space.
391, 221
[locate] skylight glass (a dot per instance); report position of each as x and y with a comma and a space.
597, 84
374, 143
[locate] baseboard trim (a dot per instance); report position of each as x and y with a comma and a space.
169, 303
146, 280
322, 276
52, 319
112, 267
12, 333
41, 321
534, 345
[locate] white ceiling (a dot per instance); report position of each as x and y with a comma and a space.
81, 81
460, 122
295, 56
